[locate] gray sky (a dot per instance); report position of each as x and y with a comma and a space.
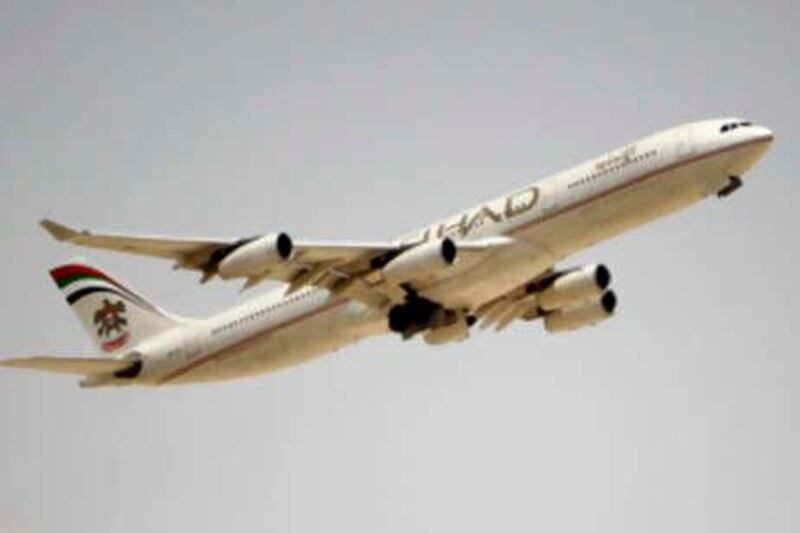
336, 120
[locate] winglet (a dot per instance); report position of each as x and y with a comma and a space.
58, 231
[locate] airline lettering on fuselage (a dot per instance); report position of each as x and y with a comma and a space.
621, 159
514, 205
612, 160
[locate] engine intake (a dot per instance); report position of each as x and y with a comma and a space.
254, 257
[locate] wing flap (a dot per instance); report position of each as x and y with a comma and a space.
69, 365
338, 251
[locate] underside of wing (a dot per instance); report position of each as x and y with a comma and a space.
519, 303
69, 365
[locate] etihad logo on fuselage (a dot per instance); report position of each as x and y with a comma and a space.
619, 160
624, 157
514, 205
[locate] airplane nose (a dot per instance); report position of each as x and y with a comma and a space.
763, 134
756, 142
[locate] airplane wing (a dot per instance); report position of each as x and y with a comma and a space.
346, 267
69, 365
198, 254
326, 264
520, 303
189, 253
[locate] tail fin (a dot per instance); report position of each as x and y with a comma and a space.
115, 317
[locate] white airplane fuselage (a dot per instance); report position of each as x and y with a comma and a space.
548, 221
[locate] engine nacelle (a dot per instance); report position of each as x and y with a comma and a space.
421, 261
255, 257
576, 287
580, 317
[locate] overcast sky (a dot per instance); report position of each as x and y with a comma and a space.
360, 121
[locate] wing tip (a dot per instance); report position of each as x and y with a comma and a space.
10, 363
69, 365
58, 231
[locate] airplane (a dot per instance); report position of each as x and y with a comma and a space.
493, 264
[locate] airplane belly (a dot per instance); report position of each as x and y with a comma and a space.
310, 336
322, 334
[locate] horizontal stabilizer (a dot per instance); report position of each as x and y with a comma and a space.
69, 365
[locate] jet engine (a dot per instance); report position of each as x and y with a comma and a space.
585, 315
421, 261
575, 287
254, 257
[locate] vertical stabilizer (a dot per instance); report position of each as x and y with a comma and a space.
114, 316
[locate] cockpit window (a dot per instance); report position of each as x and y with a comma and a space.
733, 125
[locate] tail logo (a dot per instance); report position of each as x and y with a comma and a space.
110, 319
